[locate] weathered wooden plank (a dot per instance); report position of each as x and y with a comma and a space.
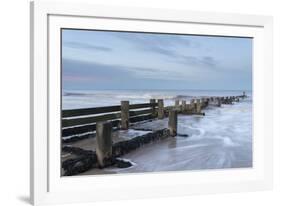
125, 115
139, 106
100, 110
89, 120
140, 112
153, 103
141, 118
89, 111
77, 138
104, 143
78, 130
173, 122
84, 129
160, 109
183, 105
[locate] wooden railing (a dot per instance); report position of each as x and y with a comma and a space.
82, 121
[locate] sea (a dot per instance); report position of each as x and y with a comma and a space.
219, 140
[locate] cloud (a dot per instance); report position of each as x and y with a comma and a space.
158, 43
154, 39
131, 60
78, 74
208, 60
76, 70
83, 70
197, 61
82, 45
165, 45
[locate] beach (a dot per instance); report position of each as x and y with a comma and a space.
221, 139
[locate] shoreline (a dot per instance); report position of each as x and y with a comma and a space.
179, 138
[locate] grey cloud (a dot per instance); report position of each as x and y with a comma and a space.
164, 46
154, 39
81, 45
161, 51
152, 42
82, 68
197, 61
210, 61
78, 68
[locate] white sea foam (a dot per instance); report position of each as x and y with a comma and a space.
93, 98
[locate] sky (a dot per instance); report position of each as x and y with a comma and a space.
104, 60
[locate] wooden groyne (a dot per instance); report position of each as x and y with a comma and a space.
97, 137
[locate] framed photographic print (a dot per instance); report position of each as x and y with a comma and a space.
137, 103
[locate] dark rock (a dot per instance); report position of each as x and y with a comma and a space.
120, 163
84, 161
78, 164
87, 159
182, 135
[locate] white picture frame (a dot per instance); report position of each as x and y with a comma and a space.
47, 186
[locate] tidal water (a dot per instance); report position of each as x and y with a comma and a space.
220, 139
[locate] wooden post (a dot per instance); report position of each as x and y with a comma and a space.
125, 115
219, 101
187, 108
198, 106
192, 104
104, 142
160, 109
183, 105
173, 122
177, 105
203, 102
207, 101
153, 101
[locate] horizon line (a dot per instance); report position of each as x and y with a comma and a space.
166, 89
